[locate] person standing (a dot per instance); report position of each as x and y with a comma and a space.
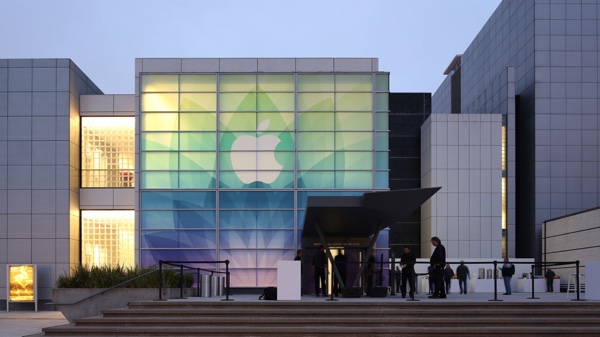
340, 264
299, 258
550, 280
448, 273
462, 273
407, 262
319, 263
508, 270
438, 262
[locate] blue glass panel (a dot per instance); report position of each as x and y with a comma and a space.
240, 239
179, 239
301, 215
299, 240
159, 219
197, 219
256, 200
382, 179
266, 277
275, 239
239, 258
275, 219
185, 200
269, 258
237, 219
150, 257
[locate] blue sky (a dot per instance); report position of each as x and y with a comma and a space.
414, 40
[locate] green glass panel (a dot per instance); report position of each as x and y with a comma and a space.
353, 160
160, 102
313, 121
237, 121
202, 121
252, 141
197, 180
242, 83
315, 83
382, 141
159, 141
382, 101
382, 179
316, 179
351, 101
322, 101
276, 82
275, 101
354, 141
198, 102
160, 121
383, 82
352, 121
361, 82
198, 83
277, 120
353, 179
316, 161
316, 141
160, 180
382, 121
237, 101
160, 83
160, 161
199, 161
382, 160
198, 141
253, 161
256, 179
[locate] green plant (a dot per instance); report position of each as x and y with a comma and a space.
106, 277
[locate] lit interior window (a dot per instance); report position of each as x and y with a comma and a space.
108, 238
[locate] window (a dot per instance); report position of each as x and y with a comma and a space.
107, 238
107, 151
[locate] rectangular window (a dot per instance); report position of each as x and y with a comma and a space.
107, 151
107, 238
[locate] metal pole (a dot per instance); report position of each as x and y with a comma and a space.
160, 283
577, 280
198, 284
533, 284
227, 281
181, 281
393, 275
496, 282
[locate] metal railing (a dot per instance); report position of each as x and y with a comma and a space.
182, 266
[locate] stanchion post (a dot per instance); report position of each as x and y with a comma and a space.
533, 284
160, 283
393, 276
576, 280
198, 284
496, 282
227, 281
181, 281
331, 290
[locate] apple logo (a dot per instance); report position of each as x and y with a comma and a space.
244, 153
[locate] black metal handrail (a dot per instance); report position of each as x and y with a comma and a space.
107, 289
182, 266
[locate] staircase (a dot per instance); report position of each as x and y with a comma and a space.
360, 318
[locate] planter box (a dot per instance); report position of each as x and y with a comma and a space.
64, 298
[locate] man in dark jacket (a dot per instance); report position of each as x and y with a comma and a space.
319, 263
508, 270
550, 280
462, 274
438, 262
407, 262
340, 264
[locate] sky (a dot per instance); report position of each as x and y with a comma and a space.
413, 40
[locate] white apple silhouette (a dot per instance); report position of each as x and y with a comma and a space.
244, 153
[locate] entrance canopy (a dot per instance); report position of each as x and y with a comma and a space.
352, 220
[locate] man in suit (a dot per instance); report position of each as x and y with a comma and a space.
438, 262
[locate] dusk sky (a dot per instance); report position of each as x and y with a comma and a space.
414, 40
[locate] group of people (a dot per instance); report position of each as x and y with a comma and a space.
440, 273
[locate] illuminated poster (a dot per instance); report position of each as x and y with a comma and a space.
21, 280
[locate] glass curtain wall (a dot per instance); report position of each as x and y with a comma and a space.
227, 161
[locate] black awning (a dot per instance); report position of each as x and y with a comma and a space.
359, 217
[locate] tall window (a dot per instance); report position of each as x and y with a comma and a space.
107, 151
107, 238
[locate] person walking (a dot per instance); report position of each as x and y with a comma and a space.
319, 263
448, 274
462, 273
407, 262
508, 270
438, 262
550, 280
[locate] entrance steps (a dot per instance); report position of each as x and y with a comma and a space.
360, 318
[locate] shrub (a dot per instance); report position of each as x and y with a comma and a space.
106, 277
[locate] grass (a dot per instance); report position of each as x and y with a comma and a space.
106, 277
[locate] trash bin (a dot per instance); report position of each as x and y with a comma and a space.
214, 286
221, 286
205, 286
